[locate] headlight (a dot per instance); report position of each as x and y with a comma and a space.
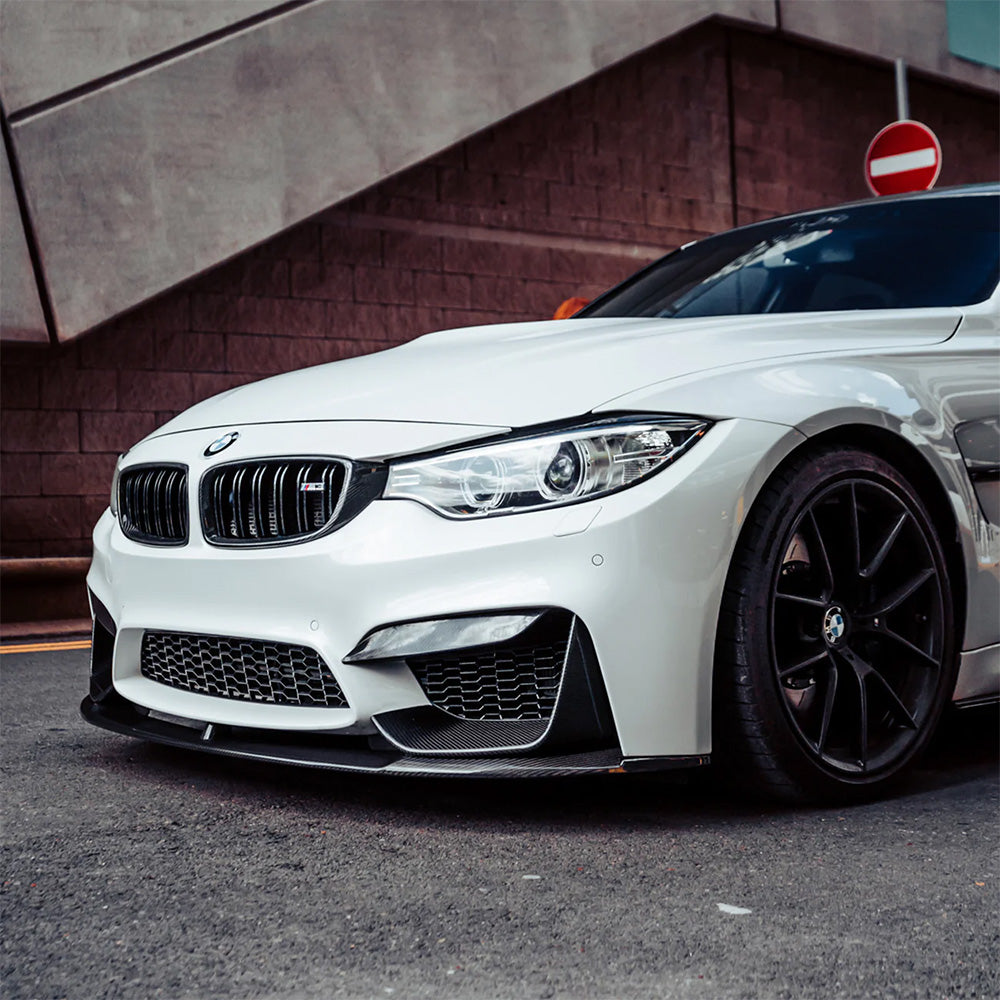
546, 469
114, 487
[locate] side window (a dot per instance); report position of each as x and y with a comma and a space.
914, 253
845, 291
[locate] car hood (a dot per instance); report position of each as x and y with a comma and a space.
519, 374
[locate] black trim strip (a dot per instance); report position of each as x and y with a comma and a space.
983, 475
645, 765
102, 615
102, 647
979, 701
345, 753
133, 69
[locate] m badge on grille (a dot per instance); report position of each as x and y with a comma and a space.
312, 488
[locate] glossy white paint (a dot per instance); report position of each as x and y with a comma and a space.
919, 395
649, 607
519, 374
352, 438
643, 569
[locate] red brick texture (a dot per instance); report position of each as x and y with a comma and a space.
561, 200
803, 120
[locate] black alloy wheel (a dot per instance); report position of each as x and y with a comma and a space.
835, 653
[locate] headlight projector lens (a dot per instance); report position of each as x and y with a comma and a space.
562, 477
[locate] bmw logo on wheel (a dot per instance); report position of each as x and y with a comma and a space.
834, 625
222, 443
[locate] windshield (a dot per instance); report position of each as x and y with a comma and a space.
894, 255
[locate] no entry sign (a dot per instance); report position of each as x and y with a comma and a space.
904, 156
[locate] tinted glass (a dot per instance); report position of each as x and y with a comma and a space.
892, 255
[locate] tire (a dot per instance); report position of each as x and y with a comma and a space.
835, 650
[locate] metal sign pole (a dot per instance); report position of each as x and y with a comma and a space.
902, 97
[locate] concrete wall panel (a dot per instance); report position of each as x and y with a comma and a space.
141, 184
563, 199
138, 180
50, 46
21, 316
914, 30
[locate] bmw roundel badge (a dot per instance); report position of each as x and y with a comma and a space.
222, 443
834, 626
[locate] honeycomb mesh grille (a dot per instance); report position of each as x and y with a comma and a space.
273, 673
153, 505
512, 681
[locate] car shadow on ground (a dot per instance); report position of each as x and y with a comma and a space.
966, 749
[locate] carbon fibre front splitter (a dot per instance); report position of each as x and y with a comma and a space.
315, 750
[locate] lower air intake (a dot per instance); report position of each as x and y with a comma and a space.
273, 673
517, 680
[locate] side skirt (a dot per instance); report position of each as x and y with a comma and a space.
978, 676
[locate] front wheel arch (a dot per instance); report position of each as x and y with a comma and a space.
756, 734
906, 457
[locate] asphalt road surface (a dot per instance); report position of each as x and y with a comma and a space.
141, 872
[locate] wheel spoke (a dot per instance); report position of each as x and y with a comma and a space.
902, 712
855, 533
862, 720
789, 671
828, 700
813, 602
876, 561
894, 598
861, 670
906, 644
824, 556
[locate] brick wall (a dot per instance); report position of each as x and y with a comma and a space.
563, 199
803, 119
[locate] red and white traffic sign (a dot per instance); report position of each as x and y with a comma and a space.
904, 156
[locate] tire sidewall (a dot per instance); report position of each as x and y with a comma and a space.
767, 540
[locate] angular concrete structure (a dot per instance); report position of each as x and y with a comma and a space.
154, 140
21, 315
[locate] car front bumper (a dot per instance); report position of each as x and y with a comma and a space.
641, 571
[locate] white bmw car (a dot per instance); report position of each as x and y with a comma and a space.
743, 507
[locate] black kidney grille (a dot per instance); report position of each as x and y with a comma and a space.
271, 501
274, 673
153, 504
509, 681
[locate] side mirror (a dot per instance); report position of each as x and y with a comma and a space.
570, 307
